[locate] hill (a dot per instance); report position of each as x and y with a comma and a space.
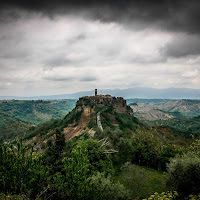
186, 107
83, 117
18, 115
99, 150
183, 115
94, 116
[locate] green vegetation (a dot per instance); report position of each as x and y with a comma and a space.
125, 161
141, 181
164, 196
181, 115
185, 127
21, 172
184, 174
17, 116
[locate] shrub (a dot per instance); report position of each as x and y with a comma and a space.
183, 174
163, 196
21, 172
105, 189
195, 147
134, 178
87, 159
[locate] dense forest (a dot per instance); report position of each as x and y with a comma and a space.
127, 160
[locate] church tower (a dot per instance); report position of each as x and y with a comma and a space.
95, 92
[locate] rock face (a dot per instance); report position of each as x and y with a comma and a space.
119, 104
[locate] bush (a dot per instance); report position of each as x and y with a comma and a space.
163, 195
134, 178
105, 189
87, 159
184, 174
21, 171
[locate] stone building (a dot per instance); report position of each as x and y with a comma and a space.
118, 103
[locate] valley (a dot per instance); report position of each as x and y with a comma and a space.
182, 115
16, 116
101, 148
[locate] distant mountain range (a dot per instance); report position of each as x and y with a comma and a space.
137, 92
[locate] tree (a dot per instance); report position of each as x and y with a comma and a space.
87, 159
184, 174
21, 171
54, 153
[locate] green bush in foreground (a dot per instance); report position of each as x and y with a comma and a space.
21, 172
87, 160
134, 178
105, 189
163, 196
183, 174
171, 196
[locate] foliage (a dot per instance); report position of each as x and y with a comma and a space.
82, 167
21, 172
145, 150
170, 196
17, 116
105, 189
151, 151
12, 197
134, 178
193, 197
73, 116
181, 126
183, 173
54, 153
168, 151
151, 180
125, 149
146, 147
99, 161
42, 128
195, 147
92, 124
163, 196
127, 121
74, 184
36, 111
87, 159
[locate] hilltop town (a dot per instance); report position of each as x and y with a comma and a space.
118, 103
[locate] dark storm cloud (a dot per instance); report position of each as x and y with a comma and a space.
179, 15
174, 16
183, 45
74, 45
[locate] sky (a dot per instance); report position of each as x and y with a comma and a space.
59, 47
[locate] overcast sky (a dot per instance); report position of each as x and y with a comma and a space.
54, 47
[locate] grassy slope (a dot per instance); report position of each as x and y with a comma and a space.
154, 181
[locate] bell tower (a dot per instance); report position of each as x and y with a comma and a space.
95, 92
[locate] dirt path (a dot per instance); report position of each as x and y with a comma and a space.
99, 121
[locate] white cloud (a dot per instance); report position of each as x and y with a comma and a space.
68, 54
190, 74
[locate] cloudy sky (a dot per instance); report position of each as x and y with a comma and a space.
58, 47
